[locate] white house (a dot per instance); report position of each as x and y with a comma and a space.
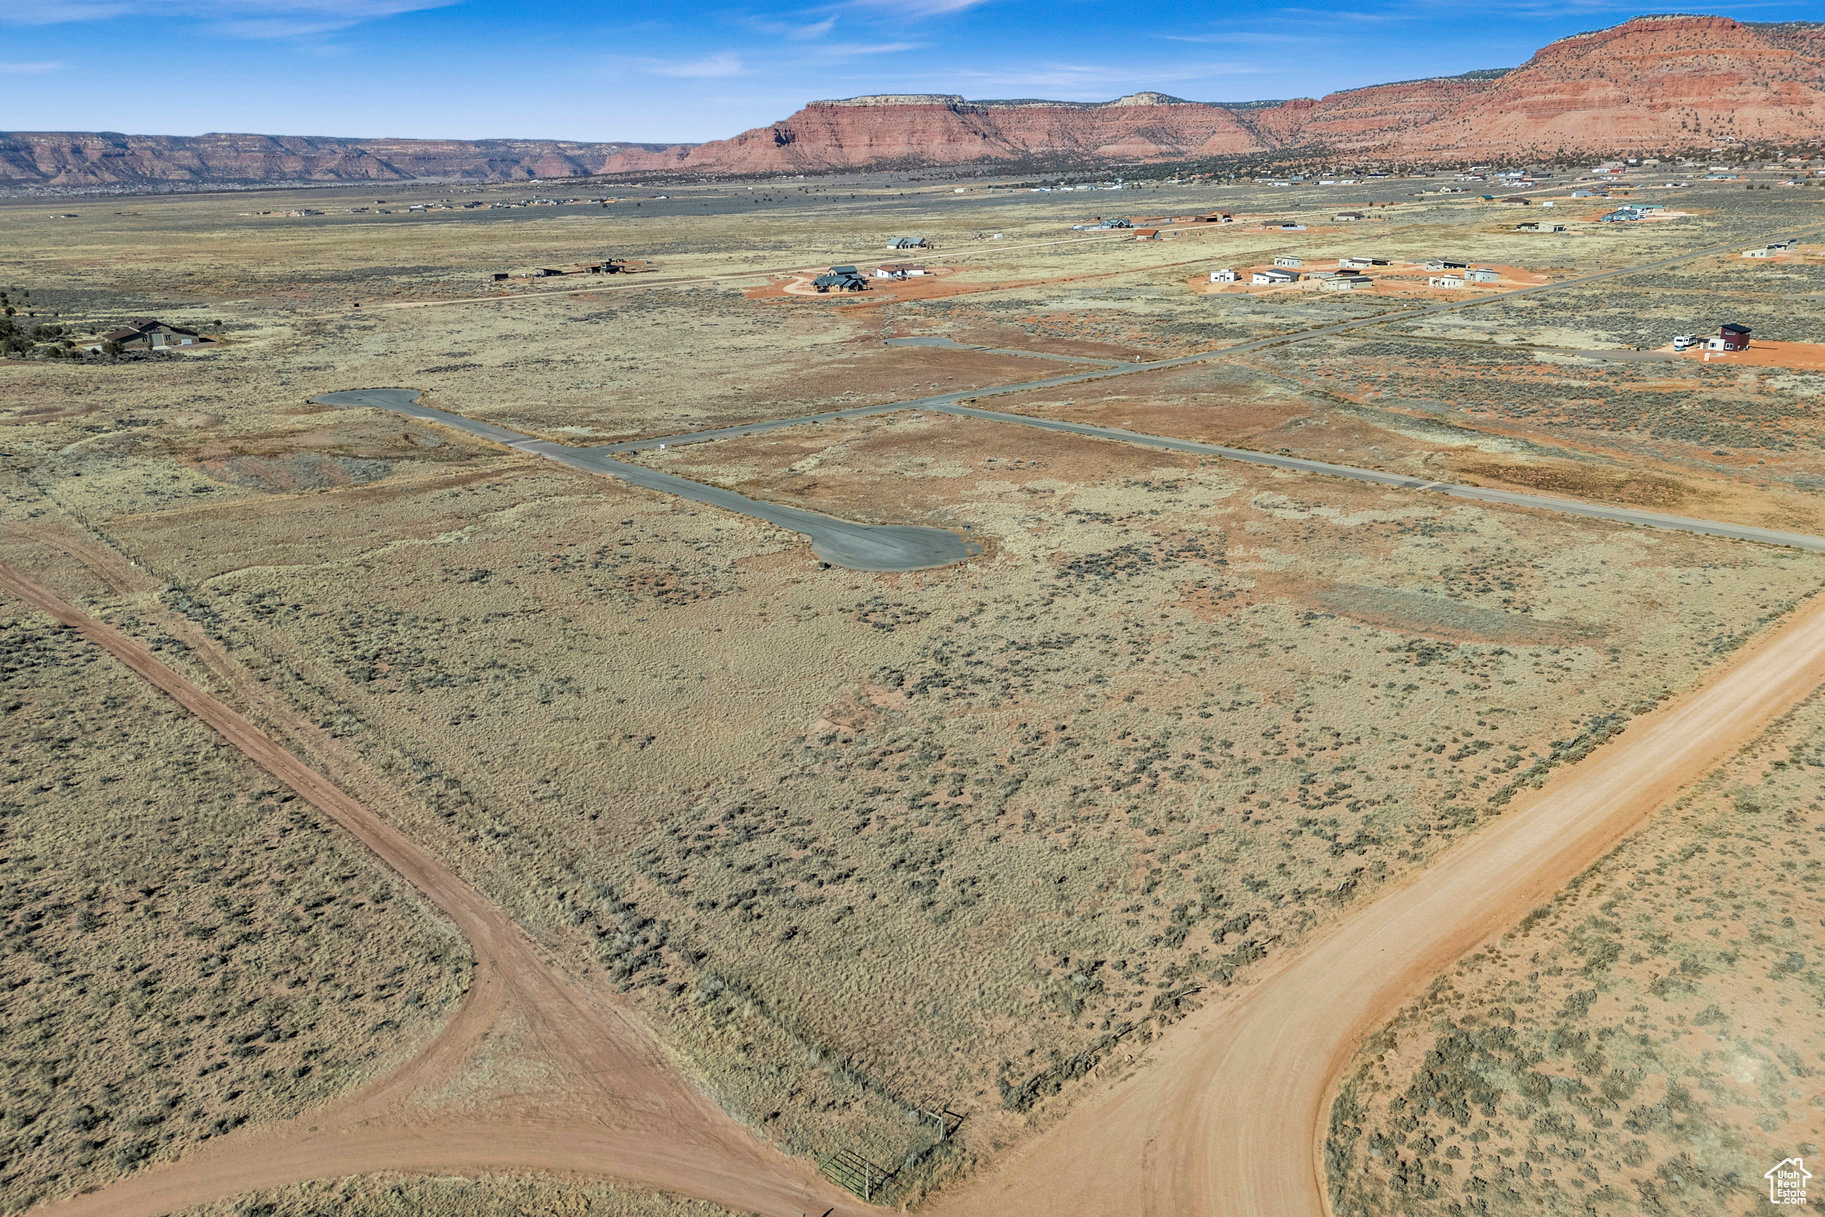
1344, 282
1288, 261
1276, 275
1758, 253
1446, 264
1445, 281
1223, 276
1482, 274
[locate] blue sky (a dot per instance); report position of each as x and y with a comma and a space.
702, 69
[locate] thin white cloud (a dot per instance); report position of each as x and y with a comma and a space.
918, 8
722, 63
237, 18
29, 69
53, 12
857, 50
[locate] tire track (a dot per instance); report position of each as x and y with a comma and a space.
623, 1110
1229, 1116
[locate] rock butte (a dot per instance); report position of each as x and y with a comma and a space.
1650, 83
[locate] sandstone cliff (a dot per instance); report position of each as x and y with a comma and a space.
77, 160
1651, 83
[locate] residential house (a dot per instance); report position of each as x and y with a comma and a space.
1348, 217
1448, 281
1482, 274
1765, 252
1289, 261
148, 335
1274, 276
1437, 264
900, 270
1729, 338
1343, 281
1359, 263
908, 243
842, 279
1223, 276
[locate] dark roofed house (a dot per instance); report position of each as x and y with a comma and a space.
908, 243
149, 335
842, 279
1734, 337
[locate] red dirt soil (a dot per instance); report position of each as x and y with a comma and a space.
1800, 356
1227, 1117
1228, 1114
622, 1109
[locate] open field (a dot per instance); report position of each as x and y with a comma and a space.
455, 1196
862, 847
1647, 1041
188, 948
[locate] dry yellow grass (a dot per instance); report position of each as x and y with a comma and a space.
860, 845
187, 948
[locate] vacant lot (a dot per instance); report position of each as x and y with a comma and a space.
187, 948
1649, 1042
864, 847
448, 1196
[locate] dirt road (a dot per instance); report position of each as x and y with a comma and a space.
1227, 1117
617, 1105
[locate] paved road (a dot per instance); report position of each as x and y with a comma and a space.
1261, 344
905, 547
953, 403
1402, 481
951, 344
875, 547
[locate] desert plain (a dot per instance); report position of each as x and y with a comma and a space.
880, 878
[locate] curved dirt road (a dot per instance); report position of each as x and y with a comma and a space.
618, 1108
1227, 1118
